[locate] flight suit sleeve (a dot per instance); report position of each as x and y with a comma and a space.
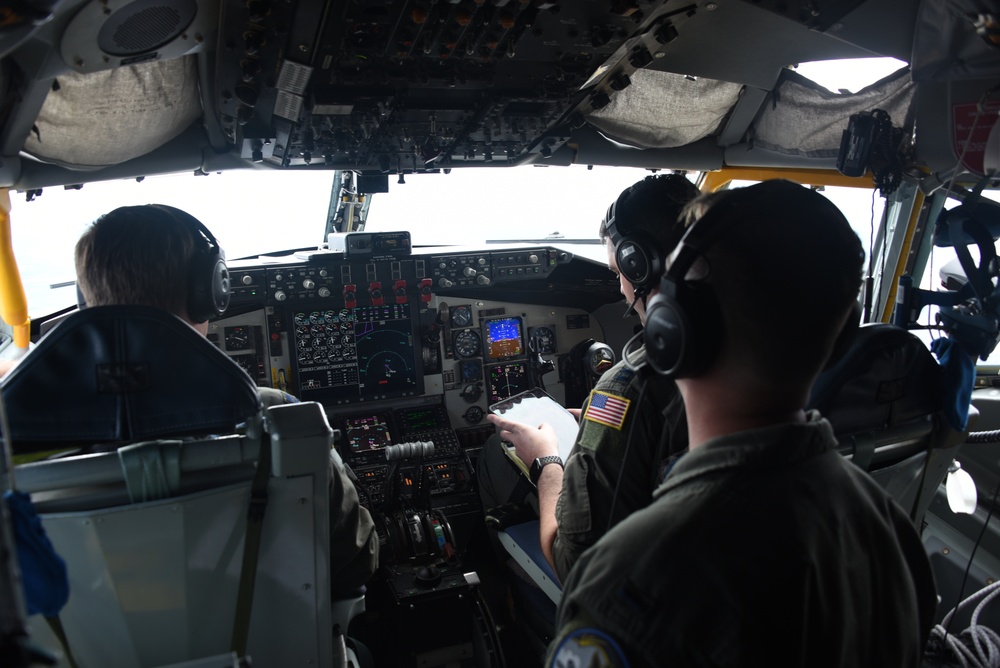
583, 512
354, 543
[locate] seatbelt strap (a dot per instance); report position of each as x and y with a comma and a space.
251, 549
55, 624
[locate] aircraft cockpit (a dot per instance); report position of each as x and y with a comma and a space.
408, 195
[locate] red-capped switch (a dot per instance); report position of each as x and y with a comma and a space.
426, 290
350, 296
400, 289
375, 292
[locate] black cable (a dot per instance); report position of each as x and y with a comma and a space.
968, 566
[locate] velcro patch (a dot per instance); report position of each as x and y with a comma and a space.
588, 648
607, 409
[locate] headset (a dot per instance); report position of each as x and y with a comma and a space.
208, 276
638, 254
684, 324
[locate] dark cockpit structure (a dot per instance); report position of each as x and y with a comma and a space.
406, 346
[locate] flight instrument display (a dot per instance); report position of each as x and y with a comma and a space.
356, 354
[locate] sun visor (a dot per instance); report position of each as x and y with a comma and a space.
666, 110
95, 120
805, 119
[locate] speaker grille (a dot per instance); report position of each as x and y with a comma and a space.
145, 25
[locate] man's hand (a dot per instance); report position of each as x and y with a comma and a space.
529, 442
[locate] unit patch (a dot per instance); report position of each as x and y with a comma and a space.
588, 648
607, 409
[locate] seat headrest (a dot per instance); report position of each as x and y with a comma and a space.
124, 373
886, 377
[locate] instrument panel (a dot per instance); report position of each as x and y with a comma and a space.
408, 350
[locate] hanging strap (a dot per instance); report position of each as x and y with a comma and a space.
55, 624
251, 549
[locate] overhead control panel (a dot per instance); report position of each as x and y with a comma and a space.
403, 86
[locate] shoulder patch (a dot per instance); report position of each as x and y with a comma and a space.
624, 375
607, 409
588, 648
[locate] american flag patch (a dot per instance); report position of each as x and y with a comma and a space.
608, 409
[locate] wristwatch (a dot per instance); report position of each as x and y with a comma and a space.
536, 467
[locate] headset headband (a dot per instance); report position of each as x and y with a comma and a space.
194, 225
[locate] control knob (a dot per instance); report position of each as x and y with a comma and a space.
324, 292
483, 279
533, 259
280, 296
309, 284
247, 279
445, 283
469, 271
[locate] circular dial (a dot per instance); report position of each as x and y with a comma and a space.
600, 359
471, 393
473, 415
461, 316
468, 343
237, 338
544, 340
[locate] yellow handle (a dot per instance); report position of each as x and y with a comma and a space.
13, 303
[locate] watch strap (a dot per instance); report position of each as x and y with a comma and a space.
536, 467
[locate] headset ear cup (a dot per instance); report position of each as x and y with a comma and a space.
639, 259
684, 329
208, 295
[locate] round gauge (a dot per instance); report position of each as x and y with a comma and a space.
318, 330
345, 314
301, 319
467, 343
471, 393
302, 332
350, 353
346, 340
237, 338
461, 316
319, 354
319, 342
544, 340
600, 358
316, 318
303, 344
474, 415
305, 357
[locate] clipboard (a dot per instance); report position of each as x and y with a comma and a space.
535, 407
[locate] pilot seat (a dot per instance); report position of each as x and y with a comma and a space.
149, 509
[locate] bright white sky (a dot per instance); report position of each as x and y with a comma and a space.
254, 211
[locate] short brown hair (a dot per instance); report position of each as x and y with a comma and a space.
136, 255
786, 272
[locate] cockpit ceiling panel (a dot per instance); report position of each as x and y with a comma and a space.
108, 117
665, 110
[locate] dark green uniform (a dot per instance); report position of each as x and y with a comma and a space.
623, 405
765, 548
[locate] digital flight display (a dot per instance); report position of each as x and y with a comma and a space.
422, 419
503, 338
368, 432
506, 380
356, 354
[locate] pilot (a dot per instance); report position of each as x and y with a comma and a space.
604, 480
763, 546
143, 255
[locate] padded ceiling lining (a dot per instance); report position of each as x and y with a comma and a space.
109, 117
